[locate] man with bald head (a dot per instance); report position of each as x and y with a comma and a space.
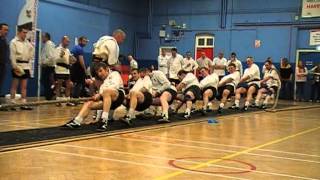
106, 49
62, 72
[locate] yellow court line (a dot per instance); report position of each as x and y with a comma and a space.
173, 174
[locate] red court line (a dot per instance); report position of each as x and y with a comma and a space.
251, 166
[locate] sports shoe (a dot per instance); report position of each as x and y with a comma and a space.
127, 119
164, 119
204, 112
220, 110
234, 106
72, 124
245, 108
28, 108
71, 104
103, 126
263, 106
187, 115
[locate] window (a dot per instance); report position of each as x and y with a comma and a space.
201, 42
209, 41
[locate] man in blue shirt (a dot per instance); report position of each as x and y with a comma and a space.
78, 69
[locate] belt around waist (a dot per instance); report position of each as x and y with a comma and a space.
253, 80
22, 61
63, 65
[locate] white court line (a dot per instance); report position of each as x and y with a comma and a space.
132, 163
225, 145
186, 161
213, 149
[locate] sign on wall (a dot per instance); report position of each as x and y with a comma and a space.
314, 37
310, 8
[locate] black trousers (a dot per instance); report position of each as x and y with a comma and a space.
2, 75
47, 80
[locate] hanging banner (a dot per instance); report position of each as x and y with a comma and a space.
310, 8
314, 37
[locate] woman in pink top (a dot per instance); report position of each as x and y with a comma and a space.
301, 79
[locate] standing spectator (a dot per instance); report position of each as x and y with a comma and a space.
21, 53
233, 59
48, 54
62, 73
219, 65
315, 88
78, 69
189, 64
301, 79
163, 62
175, 65
4, 52
286, 79
204, 61
133, 62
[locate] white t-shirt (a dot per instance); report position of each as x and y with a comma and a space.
163, 64
113, 81
189, 80
133, 64
107, 48
274, 81
235, 76
220, 62
189, 65
211, 80
253, 72
48, 53
160, 82
175, 65
64, 59
143, 83
204, 62
238, 64
21, 51
301, 72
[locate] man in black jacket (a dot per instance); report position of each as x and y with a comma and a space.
4, 52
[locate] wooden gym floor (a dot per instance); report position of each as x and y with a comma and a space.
260, 145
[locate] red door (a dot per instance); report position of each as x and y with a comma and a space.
209, 52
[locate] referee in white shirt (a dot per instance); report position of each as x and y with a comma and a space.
175, 65
21, 53
48, 55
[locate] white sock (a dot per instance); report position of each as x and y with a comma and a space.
105, 116
99, 114
204, 107
257, 102
165, 113
237, 103
131, 112
188, 111
247, 103
221, 105
78, 119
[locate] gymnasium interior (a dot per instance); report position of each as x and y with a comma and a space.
278, 142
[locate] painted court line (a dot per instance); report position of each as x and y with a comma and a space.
177, 173
178, 160
131, 162
224, 145
212, 149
